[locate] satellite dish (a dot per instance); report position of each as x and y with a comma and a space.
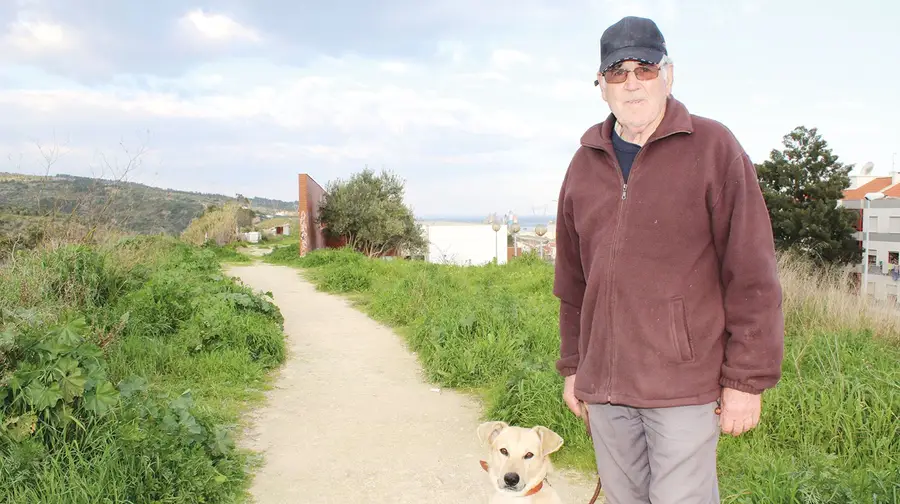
867, 168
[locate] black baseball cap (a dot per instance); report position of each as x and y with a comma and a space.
631, 38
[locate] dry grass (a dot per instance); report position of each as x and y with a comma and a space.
825, 299
219, 225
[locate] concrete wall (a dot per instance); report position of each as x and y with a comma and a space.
311, 235
465, 244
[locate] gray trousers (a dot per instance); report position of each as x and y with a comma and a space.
656, 455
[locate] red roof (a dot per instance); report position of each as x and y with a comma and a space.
893, 191
876, 185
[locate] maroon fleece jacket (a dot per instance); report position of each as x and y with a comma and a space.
668, 285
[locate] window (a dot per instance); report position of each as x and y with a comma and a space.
894, 224
873, 224
891, 291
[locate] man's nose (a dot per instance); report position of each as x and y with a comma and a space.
631, 82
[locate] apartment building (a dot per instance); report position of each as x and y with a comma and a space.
880, 216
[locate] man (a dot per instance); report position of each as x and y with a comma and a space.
670, 303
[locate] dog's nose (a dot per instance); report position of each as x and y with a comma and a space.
511, 479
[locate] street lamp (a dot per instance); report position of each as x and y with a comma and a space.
865, 262
540, 230
514, 229
495, 225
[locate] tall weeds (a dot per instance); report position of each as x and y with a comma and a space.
124, 368
824, 298
829, 431
218, 225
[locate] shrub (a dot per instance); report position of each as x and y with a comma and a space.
124, 376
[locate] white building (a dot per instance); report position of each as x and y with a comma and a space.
880, 217
464, 243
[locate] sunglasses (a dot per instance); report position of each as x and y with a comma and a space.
619, 75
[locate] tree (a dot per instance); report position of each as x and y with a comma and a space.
368, 211
802, 185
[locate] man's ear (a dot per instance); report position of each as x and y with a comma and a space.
550, 441
671, 78
602, 85
488, 431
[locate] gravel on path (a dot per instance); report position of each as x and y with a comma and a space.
350, 418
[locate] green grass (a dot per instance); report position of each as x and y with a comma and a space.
228, 253
273, 240
138, 359
829, 431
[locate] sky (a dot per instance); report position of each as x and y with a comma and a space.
478, 106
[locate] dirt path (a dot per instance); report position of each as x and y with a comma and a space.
350, 419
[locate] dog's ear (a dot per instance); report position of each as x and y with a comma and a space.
488, 431
550, 441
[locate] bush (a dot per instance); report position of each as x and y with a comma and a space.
123, 378
829, 430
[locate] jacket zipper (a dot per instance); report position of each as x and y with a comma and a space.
612, 274
612, 258
611, 277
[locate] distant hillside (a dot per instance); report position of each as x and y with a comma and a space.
130, 206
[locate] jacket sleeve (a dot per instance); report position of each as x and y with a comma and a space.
568, 284
754, 321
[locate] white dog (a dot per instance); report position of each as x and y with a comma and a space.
519, 462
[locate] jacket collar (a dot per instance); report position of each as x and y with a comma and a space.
676, 120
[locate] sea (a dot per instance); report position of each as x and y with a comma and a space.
527, 222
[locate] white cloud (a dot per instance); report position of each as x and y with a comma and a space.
394, 67
35, 36
505, 59
428, 122
763, 100
454, 50
751, 6
219, 27
383, 105
477, 110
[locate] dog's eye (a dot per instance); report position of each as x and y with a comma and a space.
503, 451
529, 455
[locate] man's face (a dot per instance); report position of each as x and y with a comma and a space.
636, 103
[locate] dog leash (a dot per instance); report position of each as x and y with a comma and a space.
587, 427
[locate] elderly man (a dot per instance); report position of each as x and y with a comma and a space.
670, 303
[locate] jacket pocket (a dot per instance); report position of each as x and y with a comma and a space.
680, 331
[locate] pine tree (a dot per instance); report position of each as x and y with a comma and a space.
802, 185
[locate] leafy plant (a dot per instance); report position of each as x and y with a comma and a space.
62, 377
245, 301
104, 395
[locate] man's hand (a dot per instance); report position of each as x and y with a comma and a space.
569, 396
740, 411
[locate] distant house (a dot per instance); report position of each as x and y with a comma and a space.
881, 219
283, 229
464, 243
